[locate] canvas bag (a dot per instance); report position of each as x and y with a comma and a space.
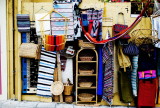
124, 87
123, 59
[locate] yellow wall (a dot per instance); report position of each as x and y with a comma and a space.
27, 6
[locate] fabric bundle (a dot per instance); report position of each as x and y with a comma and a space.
23, 22
54, 43
58, 22
108, 73
45, 73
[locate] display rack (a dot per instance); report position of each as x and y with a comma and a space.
86, 75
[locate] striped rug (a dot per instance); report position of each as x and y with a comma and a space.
45, 73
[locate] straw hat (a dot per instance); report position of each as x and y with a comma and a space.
57, 88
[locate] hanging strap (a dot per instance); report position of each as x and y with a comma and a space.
120, 34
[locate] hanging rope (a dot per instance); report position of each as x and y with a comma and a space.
120, 34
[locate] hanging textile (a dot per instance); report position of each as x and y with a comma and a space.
158, 62
108, 73
134, 75
23, 22
57, 24
45, 73
76, 17
95, 17
156, 26
100, 72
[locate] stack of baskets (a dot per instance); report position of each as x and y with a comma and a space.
86, 97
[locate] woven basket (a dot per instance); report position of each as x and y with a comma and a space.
86, 58
86, 72
85, 84
68, 89
85, 97
68, 99
86, 44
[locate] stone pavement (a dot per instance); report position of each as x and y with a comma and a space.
28, 104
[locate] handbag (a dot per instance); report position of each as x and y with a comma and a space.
149, 74
123, 59
29, 50
131, 49
124, 87
147, 90
119, 27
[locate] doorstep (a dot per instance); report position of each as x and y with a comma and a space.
29, 104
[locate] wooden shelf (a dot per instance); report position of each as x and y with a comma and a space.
88, 66
85, 101
87, 75
87, 61
86, 87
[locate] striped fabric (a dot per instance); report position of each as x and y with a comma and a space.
45, 73
57, 25
23, 22
96, 16
76, 17
108, 73
134, 75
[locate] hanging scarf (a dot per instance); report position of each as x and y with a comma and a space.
108, 73
134, 75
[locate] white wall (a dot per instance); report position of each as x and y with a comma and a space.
3, 53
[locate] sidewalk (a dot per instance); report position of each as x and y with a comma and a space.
28, 104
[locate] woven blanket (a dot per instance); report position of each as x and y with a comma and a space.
58, 23
45, 73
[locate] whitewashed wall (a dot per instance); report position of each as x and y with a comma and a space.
3, 53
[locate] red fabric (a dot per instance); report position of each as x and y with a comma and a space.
147, 92
90, 26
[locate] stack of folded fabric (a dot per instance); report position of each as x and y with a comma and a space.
23, 22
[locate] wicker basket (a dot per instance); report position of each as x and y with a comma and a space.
85, 97
86, 58
86, 44
68, 89
86, 72
85, 84
68, 99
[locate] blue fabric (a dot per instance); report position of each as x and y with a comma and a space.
158, 61
100, 71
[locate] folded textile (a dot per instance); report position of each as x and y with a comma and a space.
23, 22
45, 73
